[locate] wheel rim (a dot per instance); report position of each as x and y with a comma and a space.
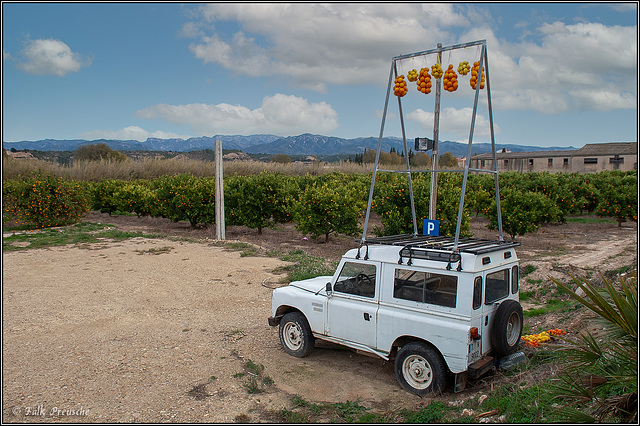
292, 336
417, 372
513, 329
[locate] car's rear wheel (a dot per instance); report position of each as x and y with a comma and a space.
420, 369
295, 335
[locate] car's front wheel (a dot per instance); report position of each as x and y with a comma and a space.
420, 369
295, 335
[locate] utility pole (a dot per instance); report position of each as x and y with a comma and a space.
434, 153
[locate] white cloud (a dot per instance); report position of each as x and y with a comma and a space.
51, 57
129, 133
454, 124
546, 69
279, 114
586, 66
319, 44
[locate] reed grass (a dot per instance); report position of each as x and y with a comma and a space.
151, 168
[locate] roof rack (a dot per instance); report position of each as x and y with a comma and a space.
443, 249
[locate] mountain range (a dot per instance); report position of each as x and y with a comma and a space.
305, 144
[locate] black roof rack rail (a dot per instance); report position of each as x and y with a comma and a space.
423, 246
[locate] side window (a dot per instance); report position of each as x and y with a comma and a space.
477, 293
426, 287
496, 286
358, 279
515, 277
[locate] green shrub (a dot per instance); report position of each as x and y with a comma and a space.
134, 197
600, 378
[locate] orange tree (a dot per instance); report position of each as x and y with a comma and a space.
101, 194
184, 197
259, 201
618, 197
521, 211
43, 201
326, 208
392, 202
583, 191
134, 197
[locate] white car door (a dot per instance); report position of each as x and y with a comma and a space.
352, 307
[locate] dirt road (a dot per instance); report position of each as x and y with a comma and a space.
158, 330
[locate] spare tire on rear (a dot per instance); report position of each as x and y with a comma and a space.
507, 328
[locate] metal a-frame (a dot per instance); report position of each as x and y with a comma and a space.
483, 65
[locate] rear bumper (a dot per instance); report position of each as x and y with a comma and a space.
481, 366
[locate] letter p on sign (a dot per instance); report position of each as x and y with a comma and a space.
431, 227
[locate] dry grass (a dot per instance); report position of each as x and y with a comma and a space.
152, 168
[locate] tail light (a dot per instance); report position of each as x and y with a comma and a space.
473, 333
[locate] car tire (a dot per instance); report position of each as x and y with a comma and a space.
420, 369
295, 335
507, 328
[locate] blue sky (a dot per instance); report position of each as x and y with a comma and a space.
562, 74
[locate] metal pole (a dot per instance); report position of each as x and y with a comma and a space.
375, 167
466, 168
493, 148
406, 157
220, 228
433, 196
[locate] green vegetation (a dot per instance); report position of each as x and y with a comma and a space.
304, 266
318, 201
600, 378
82, 232
257, 380
551, 305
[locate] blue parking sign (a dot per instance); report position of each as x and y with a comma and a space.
431, 227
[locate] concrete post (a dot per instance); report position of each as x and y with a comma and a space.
220, 228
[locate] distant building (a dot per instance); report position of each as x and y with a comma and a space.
590, 158
20, 154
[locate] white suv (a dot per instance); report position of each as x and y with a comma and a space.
439, 312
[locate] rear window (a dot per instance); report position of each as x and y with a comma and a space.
496, 286
424, 287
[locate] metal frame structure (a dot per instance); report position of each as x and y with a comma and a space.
483, 65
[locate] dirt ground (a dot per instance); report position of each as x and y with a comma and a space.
166, 330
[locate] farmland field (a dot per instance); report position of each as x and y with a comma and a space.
174, 329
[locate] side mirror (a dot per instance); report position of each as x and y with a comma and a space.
328, 289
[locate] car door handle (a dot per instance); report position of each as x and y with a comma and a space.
367, 317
